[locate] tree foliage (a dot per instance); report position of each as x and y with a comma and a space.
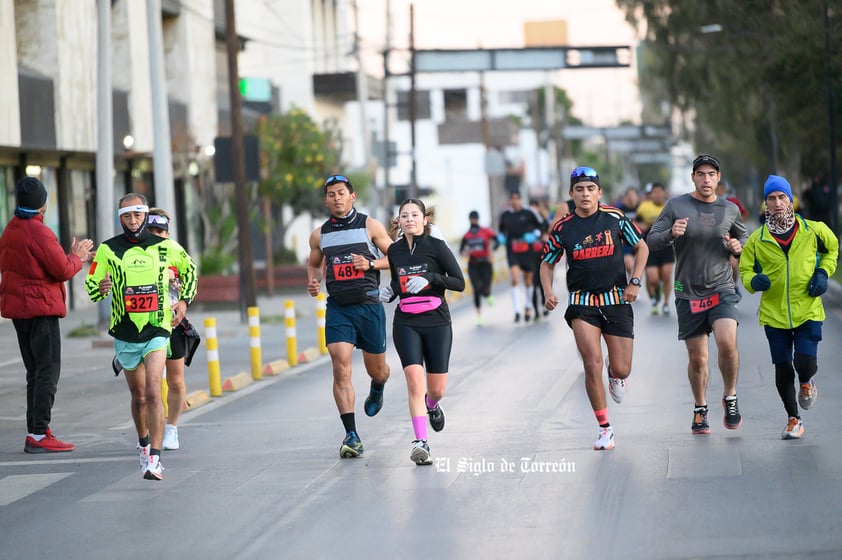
296, 156
757, 87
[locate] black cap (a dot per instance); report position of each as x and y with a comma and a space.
473, 215
705, 159
30, 193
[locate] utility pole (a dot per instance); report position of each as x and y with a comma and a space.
105, 141
362, 91
831, 123
493, 201
162, 151
413, 178
385, 194
248, 287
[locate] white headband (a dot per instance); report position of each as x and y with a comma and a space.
136, 208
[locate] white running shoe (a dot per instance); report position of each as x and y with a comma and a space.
616, 386
794, 429
144, 456
605, 441
170, 437
154, 469
421, 452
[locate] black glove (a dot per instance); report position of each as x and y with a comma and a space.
818, 283
760, 283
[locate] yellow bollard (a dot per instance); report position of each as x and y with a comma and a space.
321, 311
212, 345
165, 390
254, 343
292, 337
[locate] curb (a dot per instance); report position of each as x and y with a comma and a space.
308, 355
275, 368
237, 382
196, 399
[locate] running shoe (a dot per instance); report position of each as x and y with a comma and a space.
666, 310
517, 317
351, 446
154, 468
794, 429
48, 444
143, 452
374, 401
654, 310
527, 315
479, 320
489, 300
605, 441
170, 437
421, 452
436, 418
616, 386
733, 419
700, 420
807, 396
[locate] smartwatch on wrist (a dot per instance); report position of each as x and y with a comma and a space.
371, 265
635, 282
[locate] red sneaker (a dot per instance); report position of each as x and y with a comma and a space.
49, 444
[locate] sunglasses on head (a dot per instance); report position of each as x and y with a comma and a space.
584, 172
333, 179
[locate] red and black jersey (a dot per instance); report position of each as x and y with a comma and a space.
478, 242
596, 274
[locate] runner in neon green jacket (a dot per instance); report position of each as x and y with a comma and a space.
789, 259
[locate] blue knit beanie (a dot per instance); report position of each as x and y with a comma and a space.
777, 183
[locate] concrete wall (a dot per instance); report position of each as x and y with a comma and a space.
9, 104
75, 81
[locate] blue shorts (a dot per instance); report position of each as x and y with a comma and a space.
804, 339
130, 354
363, 325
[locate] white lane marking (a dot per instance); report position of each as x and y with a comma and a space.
17, 486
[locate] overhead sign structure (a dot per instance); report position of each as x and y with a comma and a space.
531, 58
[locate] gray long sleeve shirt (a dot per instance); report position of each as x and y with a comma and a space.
702, 260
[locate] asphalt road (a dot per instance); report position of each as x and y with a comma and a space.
258, 474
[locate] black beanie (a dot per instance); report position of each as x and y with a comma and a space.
31, 193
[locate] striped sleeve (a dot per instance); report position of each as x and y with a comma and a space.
553, 248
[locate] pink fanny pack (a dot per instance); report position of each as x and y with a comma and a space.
419, 304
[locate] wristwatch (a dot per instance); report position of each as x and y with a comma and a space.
371, 265
635, 282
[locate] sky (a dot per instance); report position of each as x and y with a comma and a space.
602, 97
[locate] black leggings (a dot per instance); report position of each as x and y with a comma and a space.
424, 345
480, 275
806, 366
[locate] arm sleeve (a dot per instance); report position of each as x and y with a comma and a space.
186, 272
747, 264
660, 234
56, 263
630, 232
829, 259
738, 229
452, 278
96, 272
553, 249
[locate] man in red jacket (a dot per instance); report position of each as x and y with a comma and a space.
34, 269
